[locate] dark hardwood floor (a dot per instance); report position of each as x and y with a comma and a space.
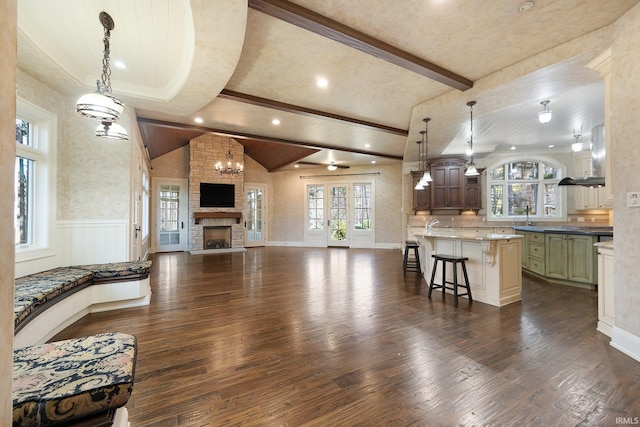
306, 336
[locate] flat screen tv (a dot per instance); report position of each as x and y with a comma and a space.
217, 195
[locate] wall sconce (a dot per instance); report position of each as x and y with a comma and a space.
544, 116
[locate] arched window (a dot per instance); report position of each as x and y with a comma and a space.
521, 189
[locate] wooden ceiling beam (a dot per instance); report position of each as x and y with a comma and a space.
321, 25
296, 109
240, 135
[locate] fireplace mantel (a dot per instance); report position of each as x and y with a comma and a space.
200, 215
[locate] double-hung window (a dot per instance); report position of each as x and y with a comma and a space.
525, 189
35, 183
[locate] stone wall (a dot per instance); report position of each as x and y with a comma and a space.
205, 151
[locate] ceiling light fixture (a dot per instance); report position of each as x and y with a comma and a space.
513, 147
229, 169
198, 120
332, 167
545, 115
577, 145
275, 122
102, 105
471, 167
426, 176
111, 131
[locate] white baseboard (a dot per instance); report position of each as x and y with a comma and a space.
627, 343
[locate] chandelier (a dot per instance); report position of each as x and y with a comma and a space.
101, 104
471, 167
228, 167
423, 165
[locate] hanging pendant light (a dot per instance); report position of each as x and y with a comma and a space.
426, 176
471, 167
544, 116
101, 104
111, 131
419, 184
577, 145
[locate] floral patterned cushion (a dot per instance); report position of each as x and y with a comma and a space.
67, 380
36, 289
118, 269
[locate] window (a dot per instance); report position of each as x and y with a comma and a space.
362, 206
35, 201
315, 197
524, 187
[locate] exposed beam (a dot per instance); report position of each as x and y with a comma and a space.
296, 109
240, 135
316, 23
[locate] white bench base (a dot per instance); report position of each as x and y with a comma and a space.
92, 299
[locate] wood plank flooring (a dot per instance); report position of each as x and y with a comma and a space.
326, 337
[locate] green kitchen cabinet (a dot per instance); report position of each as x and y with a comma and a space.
570, 257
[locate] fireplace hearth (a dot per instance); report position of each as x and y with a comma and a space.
216, 237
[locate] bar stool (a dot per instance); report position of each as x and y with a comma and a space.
413, 263
454, 260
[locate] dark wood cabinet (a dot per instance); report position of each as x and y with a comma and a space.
450, 188
421, 198
447, 185
472, 192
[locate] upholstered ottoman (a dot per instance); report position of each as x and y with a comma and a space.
70, 380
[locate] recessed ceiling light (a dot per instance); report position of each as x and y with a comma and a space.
119, 64
513, 147
296, 166
275, 122
367, 145
373, 162
550, 145
525, 6
198, 120
322, 82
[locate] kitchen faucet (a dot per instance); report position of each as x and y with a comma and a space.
429, 225
528, 222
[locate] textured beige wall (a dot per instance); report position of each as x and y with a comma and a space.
289, 201
625, 128
174, 164
8, 23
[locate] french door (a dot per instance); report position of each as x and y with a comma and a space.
171, 207
255, 215
340, 215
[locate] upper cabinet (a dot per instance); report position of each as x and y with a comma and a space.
585, 197
450, 188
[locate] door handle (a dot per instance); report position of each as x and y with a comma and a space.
182, 225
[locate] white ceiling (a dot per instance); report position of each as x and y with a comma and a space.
180, 54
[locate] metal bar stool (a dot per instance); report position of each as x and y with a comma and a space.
454, 260
411, 263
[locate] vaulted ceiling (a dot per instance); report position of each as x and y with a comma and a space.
238, 65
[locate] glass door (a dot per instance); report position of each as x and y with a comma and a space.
171, 215
338, 215
255, 209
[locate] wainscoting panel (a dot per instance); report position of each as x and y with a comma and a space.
93, 241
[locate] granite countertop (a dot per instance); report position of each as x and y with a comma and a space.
588, 231
462, 235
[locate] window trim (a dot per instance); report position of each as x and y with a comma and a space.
561, 193
45, 131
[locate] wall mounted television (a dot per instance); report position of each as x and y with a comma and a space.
217, 195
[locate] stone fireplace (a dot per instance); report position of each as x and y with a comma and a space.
216, 237
214, 229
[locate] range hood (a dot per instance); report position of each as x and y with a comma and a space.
598, 153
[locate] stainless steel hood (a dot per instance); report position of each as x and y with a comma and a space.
598, 153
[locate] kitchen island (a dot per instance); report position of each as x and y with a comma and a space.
495, 272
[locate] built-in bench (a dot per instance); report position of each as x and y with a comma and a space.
81, 381
49, 301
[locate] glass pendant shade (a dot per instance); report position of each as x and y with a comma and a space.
576, 146
419, 186
545, 115
111, 131
426, 178
471, 170
99, 106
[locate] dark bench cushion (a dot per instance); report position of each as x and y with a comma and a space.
37, 289
119, 270
72, 379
